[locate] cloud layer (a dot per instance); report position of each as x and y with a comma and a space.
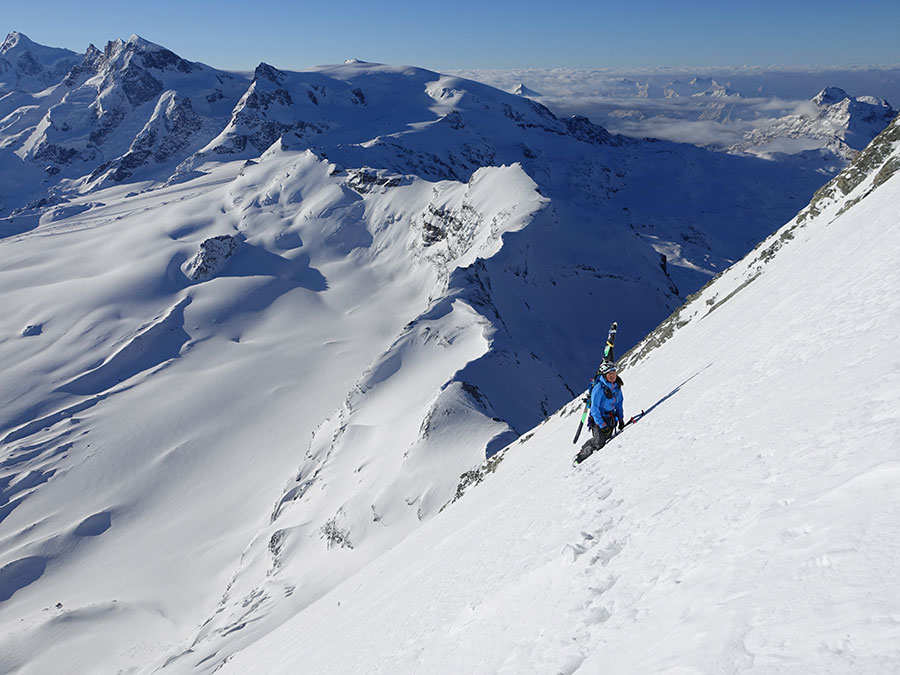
703, 106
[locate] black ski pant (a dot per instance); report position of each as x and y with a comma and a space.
599, 436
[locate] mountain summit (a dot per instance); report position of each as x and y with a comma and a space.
29, 67
522, 90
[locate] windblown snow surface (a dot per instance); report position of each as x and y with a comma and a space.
748, 523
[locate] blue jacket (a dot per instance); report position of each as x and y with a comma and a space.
606, 399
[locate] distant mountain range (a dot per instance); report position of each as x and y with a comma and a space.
137, 111
712, 107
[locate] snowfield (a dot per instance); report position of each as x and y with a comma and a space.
154, 438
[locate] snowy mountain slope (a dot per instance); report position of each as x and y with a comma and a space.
19, 179
743, 525
837, 124
30, 67
229, 377
402, 119
91, 348
132, 110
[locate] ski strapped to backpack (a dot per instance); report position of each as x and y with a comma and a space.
607, 356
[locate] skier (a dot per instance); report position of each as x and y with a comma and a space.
606, 410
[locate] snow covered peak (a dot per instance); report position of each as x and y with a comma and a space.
266, 72
836, 127
830, 96
14, 39
522, 90
30, 67
17, 43
135, 41
398, 118
109, 114
143, 53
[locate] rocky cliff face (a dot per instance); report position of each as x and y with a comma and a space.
265, 112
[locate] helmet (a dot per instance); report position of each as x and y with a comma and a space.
607, 367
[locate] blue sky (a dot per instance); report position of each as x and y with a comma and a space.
238, 34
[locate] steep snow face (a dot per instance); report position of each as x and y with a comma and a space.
837, 125
743, 524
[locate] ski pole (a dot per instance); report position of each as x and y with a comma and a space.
635, 418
